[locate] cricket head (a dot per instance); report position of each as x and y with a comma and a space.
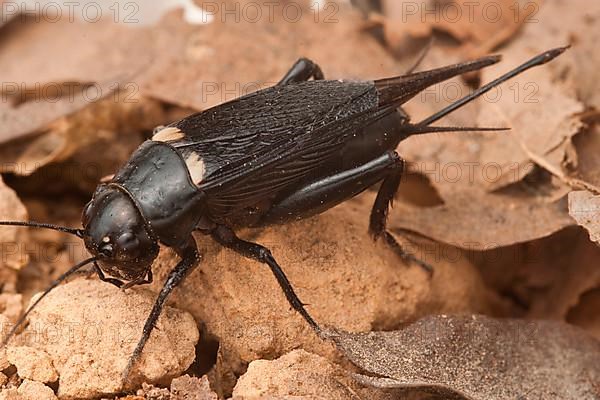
116, 233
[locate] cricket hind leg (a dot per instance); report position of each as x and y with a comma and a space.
226, 237
379, 213
331, 190
319, 195
301, 71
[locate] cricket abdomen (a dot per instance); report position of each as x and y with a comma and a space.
373, 140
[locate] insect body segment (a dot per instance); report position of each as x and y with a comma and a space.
117, 234
271, 157
158, 180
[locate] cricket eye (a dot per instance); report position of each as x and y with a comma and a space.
106, 249
86, 215
127, 242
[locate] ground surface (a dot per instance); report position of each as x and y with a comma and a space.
508, 220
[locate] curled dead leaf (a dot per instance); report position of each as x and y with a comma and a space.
178, 50
479, 358
480, 26
21, 116
490, 183
210, 64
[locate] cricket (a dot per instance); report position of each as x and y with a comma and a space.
271, 157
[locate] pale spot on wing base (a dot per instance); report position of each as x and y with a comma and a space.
168, 134
195, 165
107, 178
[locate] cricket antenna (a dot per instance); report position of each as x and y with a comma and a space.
54, 284
534, 62
72, 231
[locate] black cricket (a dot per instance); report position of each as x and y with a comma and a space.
271, 157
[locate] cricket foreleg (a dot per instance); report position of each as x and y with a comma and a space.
189, 259
119, 283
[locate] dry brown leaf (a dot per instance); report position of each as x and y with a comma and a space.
50, 56
58, 75
480, 26
542, 113
113, 126
568, 266
484, 25
403, 25
67, 94
483, 222
175, 62
584, 207
477, 357
547, 131
28, 118
578, 25
462, 167
205, 65
487, 182
587, 145
544, 278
